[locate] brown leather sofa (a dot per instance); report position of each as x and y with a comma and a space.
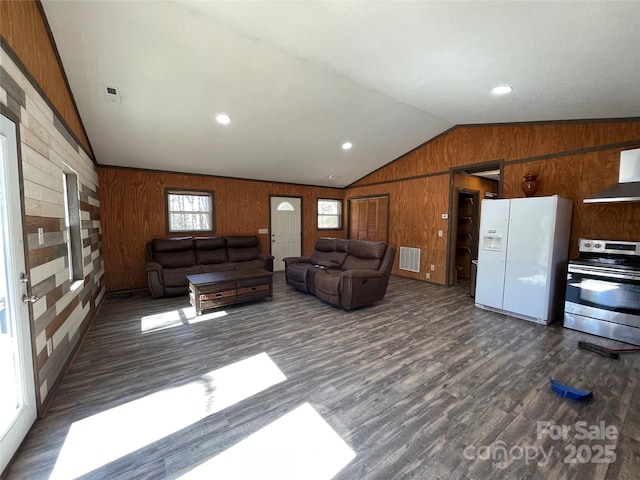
346, 273
170, 260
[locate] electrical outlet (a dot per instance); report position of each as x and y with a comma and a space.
445, 216
433, 268
439, 233
428, 275
40, 235
263, 231
49, 347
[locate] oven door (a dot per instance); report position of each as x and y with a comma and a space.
606, 295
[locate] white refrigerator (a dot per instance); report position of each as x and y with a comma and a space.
522, 257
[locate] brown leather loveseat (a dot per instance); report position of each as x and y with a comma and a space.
170, 260
346, 273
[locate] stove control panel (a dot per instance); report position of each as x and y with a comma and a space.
609, 247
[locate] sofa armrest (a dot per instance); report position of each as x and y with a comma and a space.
154, 267
155, 278
268, 261
290, 260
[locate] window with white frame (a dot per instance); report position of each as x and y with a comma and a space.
329, 214
190, 211
72, 226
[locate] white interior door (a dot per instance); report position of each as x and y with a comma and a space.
17, 386
286, 229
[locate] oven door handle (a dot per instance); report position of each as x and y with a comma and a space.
604, 272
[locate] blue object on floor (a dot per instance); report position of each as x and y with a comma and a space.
569, 391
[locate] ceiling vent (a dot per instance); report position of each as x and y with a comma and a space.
111, 94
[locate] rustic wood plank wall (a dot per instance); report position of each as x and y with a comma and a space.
132, 211
573, 160
64, 311
26, 32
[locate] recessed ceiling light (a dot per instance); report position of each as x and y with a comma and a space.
501, 89
347, 145
223, 119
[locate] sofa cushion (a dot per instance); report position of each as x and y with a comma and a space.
171, 244
242, 241
342, 245
356, 263
325, 244
173, 252
257, 263
209, 243
210, 250
367, 249
186, 258
364, 255
216, 267
320, 258
207, 257
328, 285
176, 277
242, 248
329, 250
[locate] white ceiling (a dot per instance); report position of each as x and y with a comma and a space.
301, 78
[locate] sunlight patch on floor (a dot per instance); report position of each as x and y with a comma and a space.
298, 445
102, 438
176, 318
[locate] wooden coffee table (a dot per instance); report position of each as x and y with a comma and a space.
211, 290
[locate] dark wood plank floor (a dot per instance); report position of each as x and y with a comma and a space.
423, 385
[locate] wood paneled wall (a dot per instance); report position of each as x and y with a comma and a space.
577, 177
466, 182
574, 160
133, 214
24, 29
415, 208
462, 146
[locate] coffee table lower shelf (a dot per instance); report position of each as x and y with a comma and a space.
213, 290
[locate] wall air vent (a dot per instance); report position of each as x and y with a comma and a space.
111, 94
410, 259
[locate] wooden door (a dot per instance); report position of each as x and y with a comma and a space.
369, 218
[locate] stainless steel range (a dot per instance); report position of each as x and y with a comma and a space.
603, 290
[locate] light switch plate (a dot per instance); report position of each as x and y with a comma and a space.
40, 235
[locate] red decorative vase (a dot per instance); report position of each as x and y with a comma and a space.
530, 185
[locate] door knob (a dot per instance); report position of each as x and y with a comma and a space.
31, 299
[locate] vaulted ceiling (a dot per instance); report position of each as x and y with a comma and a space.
299, 79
